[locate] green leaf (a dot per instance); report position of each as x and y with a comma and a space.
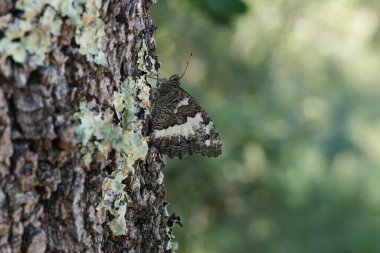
222, 11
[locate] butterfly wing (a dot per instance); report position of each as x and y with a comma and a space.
180, 126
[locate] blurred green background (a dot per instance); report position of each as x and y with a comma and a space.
294, 89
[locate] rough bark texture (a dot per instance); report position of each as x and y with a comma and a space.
48, 197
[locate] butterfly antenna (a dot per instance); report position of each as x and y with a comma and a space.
187, 64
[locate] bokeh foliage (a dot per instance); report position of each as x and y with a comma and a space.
294, 89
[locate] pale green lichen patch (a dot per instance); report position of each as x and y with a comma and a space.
89, 39
125, 104
171, 246
118, 225
98, 135
146, 63
33, 35
24, 37
114, 201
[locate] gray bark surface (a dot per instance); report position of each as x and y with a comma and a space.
48, 197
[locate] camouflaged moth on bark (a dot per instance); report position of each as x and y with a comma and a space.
179, 125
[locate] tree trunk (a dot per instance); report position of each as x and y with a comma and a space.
76, 172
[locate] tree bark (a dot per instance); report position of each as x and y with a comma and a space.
74, 100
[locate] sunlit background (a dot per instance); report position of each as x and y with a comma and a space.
294, 89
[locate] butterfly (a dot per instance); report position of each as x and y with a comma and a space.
179, 125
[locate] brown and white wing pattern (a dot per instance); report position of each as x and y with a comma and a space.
179, 125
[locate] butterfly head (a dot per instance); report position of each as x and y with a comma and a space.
171, 81
175, 78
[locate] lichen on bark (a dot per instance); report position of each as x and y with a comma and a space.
32, 35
